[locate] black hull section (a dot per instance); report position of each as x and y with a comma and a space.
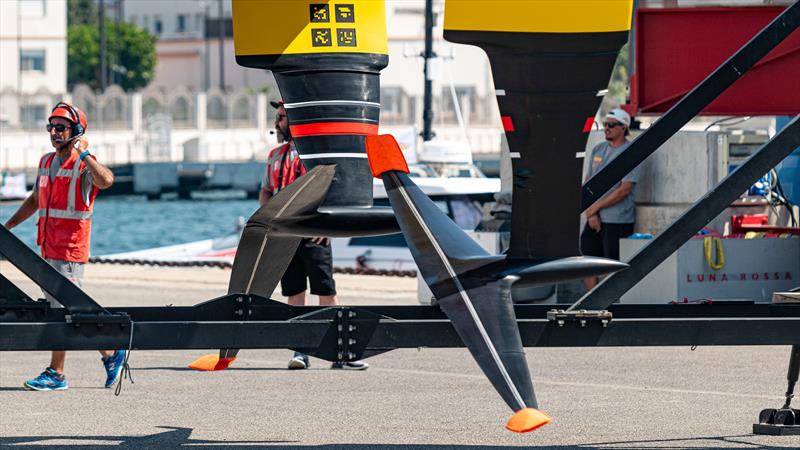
344, 222
359, 62
493, 306
479, 308
333, 102
548, 87
538, 271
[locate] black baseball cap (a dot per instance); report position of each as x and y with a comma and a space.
276, 104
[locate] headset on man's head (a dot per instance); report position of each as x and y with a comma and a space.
77, 128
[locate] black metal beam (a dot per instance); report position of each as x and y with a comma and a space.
45, 276
219, 323
223, 310
702, 212
10, 292
691, 104
392, 334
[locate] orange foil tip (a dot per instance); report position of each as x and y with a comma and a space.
527, 419
211, 362
384, 155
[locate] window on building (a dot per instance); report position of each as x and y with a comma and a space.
391, 98
158, 26
181, 24
31, 60
212, 27
32, 116
392, 104
466, 97
32, 8
467, 101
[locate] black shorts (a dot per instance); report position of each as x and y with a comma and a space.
312, 261
606, 242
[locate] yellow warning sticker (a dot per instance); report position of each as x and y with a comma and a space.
280, 27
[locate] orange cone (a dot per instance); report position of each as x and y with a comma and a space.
211, 362
527, 419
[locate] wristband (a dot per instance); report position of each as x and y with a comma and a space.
84, 154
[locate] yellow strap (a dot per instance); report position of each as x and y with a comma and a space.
708, 243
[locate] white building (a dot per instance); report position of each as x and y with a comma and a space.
33, 59
188, 48
189, 55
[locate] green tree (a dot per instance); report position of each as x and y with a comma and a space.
620, 80
81, 12
131, 55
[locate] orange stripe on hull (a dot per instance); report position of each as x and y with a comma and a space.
327, 128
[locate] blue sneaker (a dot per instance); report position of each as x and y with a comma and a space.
49, 380
113, 365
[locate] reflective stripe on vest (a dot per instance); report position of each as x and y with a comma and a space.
61, 172
65, 214
74, 175
73, 183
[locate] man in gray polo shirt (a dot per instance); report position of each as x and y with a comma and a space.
612, 216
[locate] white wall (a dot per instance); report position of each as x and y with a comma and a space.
19, 29
181, 63
181, 57
144, 13
22, 150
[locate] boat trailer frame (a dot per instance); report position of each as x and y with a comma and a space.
345, 333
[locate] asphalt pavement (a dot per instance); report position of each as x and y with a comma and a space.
419, 399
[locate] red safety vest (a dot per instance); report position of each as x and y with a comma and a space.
65, 221
283, 167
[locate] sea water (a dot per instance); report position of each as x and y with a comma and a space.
127, 223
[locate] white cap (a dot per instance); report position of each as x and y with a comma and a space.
620, 116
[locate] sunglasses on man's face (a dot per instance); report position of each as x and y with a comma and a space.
280, 116
612, 124
58, 127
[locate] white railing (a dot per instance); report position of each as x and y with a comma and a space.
180, 125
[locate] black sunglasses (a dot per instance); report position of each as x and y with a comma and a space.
612, 124
58, 127
281, 116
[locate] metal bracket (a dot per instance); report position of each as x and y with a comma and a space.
346, 335
243, 307
100, 320
349, 332
581, 317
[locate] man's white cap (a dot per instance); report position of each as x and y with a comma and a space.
620, 116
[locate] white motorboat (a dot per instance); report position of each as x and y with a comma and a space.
461, 197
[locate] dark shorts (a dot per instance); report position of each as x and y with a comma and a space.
312, 261
606, 242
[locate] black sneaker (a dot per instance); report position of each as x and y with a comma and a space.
299, 361
350, 365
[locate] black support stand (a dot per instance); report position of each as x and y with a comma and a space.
786, 420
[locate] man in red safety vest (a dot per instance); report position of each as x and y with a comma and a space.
67, 183
313, 260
